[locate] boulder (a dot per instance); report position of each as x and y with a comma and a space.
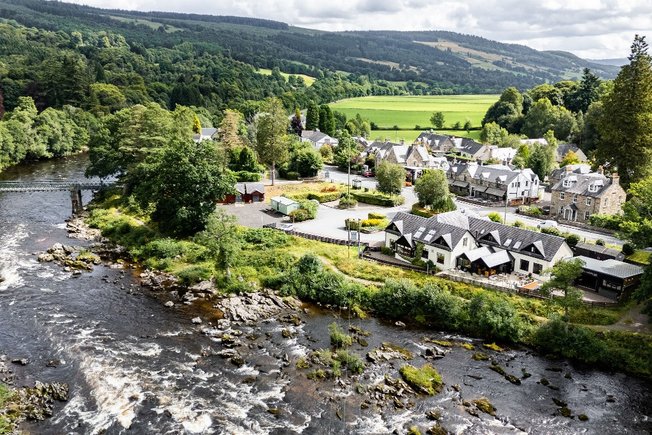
196, 320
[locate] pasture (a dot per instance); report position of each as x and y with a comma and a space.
409, 111
307, 79
410, 135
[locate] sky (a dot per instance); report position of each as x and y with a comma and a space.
593, 29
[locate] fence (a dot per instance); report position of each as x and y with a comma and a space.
397, 263
324, 239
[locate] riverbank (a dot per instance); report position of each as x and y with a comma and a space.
269, 259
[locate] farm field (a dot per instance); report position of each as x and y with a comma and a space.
410, 111
307, 79
410, 135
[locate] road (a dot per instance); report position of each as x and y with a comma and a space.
330, 221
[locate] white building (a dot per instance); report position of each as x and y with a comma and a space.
317, 138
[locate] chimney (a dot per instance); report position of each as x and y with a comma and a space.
601, 170
615, 178
402, 141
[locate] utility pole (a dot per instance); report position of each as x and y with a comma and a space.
506, 196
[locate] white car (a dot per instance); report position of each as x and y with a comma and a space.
547, 224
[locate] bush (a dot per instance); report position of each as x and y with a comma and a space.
352, 224
424, 380
376, 198
347, 201
352, 362
572, 239
265, 238
495, 217
291, 175
338, 337
324, 196
387, 251
519, 224
300, 215
163, 248
376, 216
600, 242
417, 210
551, 230
382, 222
628, 249
495, 318
194, 274
244, 176
610, 222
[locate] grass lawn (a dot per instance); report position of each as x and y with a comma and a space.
409, 111
307, 79
410, 135
641, 257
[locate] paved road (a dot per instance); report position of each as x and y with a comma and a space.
330, 220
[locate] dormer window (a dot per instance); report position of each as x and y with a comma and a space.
593, 188
574, 199
561, 195
567, 183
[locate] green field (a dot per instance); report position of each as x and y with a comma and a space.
410, 111
307, 79
410, 135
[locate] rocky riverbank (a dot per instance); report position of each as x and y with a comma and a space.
19, 404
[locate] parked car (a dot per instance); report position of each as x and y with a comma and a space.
368, 174
547, 224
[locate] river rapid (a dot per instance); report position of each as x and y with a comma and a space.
135, 366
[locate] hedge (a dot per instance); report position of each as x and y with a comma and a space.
378, 199
244, 176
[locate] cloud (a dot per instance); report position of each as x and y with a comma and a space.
588, 28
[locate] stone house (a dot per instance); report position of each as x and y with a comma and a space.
438, 144
557, 174
578, 196
565, 148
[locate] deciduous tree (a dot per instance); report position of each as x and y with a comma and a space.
564, 275
432, 190
271, 135
391, 178
437, 119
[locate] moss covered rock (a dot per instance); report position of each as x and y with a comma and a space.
424, 380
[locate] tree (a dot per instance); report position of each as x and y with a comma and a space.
432, 190
587, 92
437, 119
221, 239
563, 275
569, 159
326, 152
493, 134
391, 178
231, 129
550, 92
183, 183
626, 126
590, 136
307, 161
543, 116
522, 157
105, 98
312, 116
542, 159
507, 111
346, 151
271, 138
467, 125
295, 124
247, 160
326, 120
636, 225
196, 125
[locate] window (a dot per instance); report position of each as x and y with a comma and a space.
424, 254
537, 268
525, 265
561, 195
440, 258
465, 241
589, 201
526, 184
586, 215
574, 199
606, 201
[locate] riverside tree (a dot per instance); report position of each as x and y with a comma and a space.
564, 275
221, 239
271, 135
626, 123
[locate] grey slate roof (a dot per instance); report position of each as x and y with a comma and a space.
610, 267
580, 184
564, 148
601, 250
428, 231
515, 239
313, 135
471, 147
249, 187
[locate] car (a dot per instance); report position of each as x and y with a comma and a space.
368, 174
547, 224
285, 227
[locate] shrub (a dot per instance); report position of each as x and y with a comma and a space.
347, 201
351, 361
338, 337
352, 224
244, 176
551, 230
299, 215
373, 215
519, 224
292, 175
570, 341
387, 250
495, 318
194, 274
572, 239
163, 248
374, 222
535, 211
324, 196
421, 211
376, 198
265, 238
628, 249
599, 242
610, 222
424, 380
495, 217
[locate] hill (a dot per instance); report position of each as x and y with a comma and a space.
214, 61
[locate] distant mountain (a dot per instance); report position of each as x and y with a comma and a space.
418, 62
613, 62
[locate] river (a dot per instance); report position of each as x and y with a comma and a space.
135, 366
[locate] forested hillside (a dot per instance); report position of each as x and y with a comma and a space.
211, 61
